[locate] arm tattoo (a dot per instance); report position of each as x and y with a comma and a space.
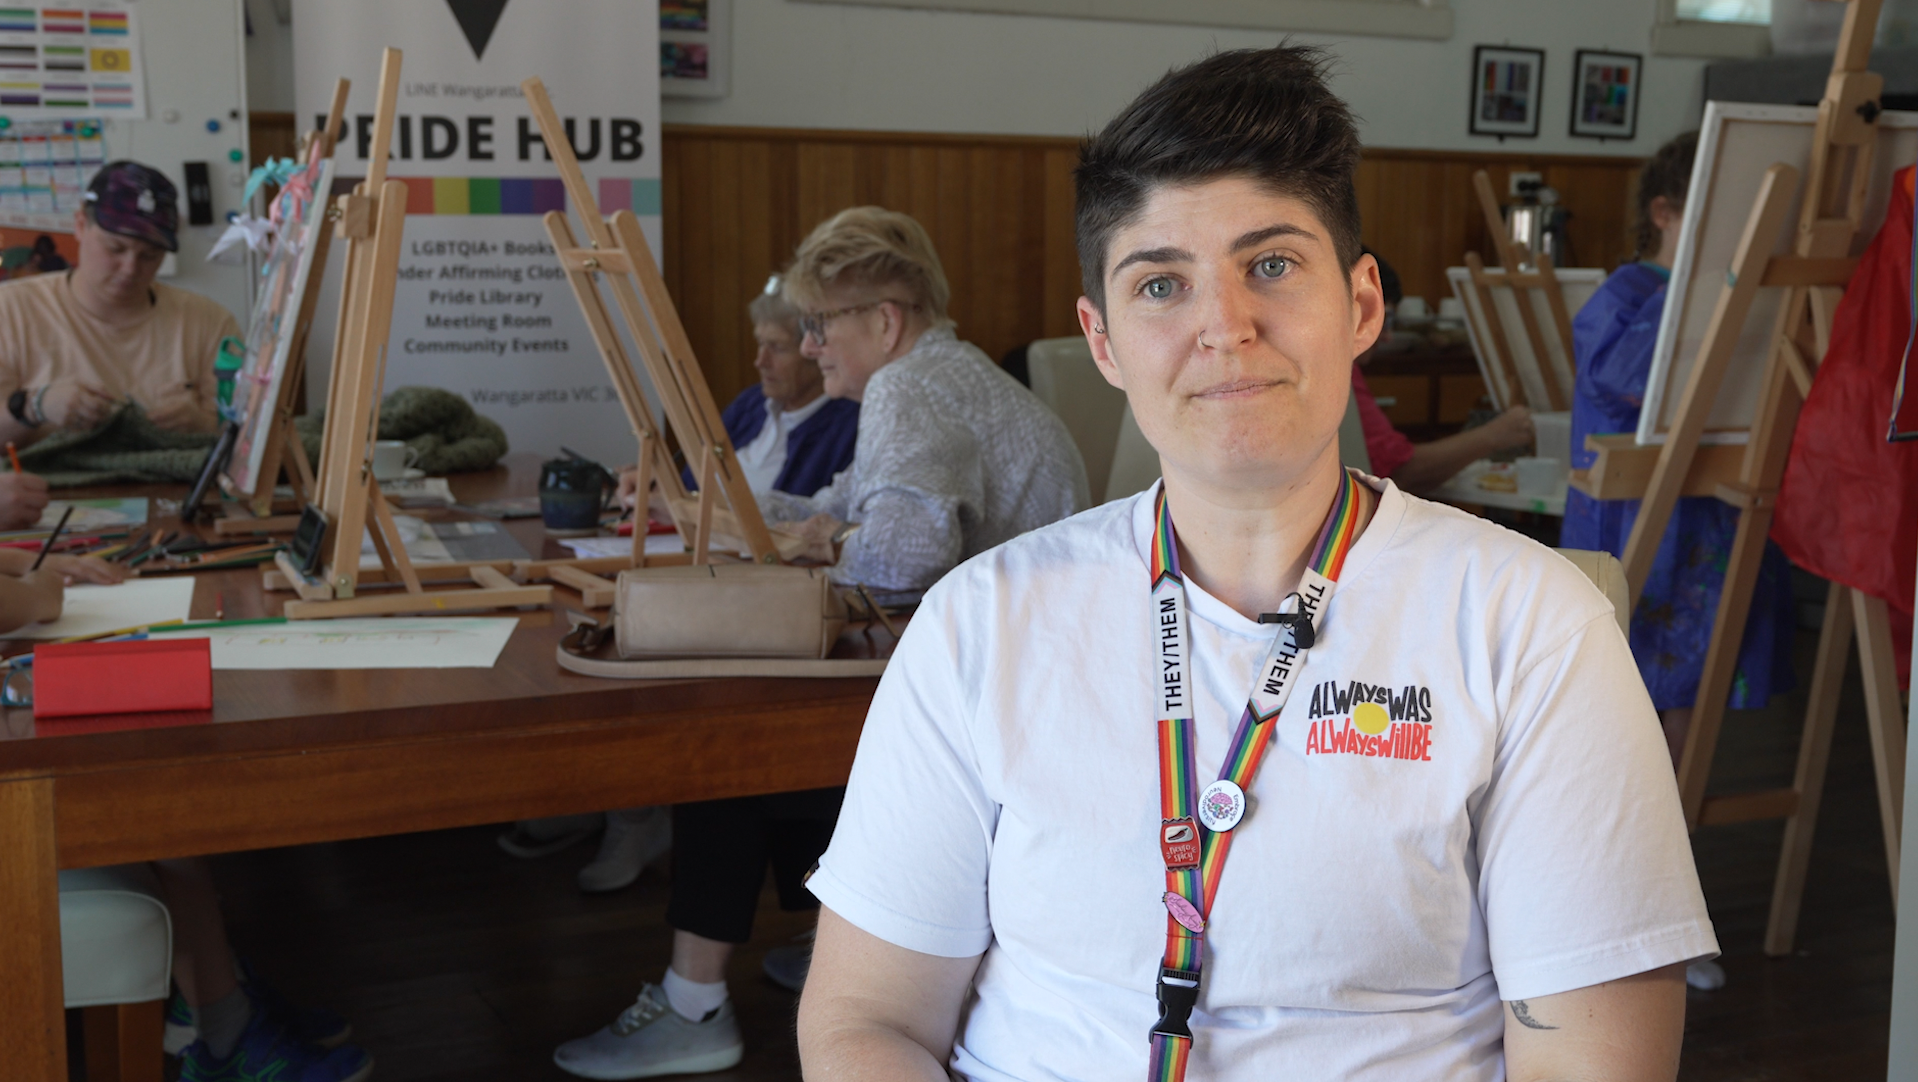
1524, 1015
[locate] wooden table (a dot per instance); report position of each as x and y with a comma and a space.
287, 758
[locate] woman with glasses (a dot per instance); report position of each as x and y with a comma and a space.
954, 456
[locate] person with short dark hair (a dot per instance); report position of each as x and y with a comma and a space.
1443, 789
75, 345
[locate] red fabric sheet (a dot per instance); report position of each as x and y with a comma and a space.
1848, 506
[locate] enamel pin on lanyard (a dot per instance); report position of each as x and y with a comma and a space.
1195, 832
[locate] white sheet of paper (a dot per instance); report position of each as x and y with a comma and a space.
90, 610
94, 514
472, 642
659, 544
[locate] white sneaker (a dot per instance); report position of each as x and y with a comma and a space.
635, 837
530, 839
649, 1039
1705, 976
787, 966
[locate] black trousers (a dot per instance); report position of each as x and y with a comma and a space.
721, 849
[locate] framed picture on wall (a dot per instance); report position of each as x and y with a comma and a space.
695, 48
1605, 94
1505, 87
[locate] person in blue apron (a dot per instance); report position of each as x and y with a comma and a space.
1613, 336
1273, 770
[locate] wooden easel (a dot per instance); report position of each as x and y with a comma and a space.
1748, 476
283, 447
1522, 280
373, 220
616, 252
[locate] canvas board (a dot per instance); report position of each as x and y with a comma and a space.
275, 323
1736, 144
471, 642
1577, 283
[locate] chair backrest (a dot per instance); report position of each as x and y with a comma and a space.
1067, 380
1135, 465
1608, 575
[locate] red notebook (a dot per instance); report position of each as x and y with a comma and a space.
79, 678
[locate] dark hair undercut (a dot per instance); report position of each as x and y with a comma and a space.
1264, 114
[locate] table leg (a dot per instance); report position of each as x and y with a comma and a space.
32, 1023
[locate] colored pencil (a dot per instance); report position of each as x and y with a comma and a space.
120, 631
208, 625
51, 538
13, 455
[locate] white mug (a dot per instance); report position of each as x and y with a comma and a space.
1451, 308
1412, 309
392, 458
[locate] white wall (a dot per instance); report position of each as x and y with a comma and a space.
809, 65
269, 59
842, 66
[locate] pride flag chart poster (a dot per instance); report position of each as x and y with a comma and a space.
65, 62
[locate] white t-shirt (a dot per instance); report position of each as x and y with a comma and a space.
765, 454
1373, 911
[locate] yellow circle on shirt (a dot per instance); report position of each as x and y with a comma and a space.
1370, 718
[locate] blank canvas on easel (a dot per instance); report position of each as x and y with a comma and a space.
1578, 285
1735, 146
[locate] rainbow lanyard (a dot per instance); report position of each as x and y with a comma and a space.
1197, 830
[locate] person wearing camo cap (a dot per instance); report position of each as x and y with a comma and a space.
76, 344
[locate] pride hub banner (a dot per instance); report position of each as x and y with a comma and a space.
482, 307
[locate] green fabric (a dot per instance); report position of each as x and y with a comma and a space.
438, 425
128, 449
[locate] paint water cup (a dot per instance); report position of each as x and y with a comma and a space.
572, 492
1539, 476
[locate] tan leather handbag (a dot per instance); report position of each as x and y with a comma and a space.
724, 620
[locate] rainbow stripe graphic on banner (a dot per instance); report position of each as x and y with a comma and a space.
63, 21
18, 21
107, 22
522, 195
639, 195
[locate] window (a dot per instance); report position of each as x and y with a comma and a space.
1714, 28
1383, 18
1751, 12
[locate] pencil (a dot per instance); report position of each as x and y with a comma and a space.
13, 455
51, 538
120, 631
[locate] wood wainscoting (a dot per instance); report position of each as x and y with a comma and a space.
999, 208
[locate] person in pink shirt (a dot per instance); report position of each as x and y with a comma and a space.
1421, 467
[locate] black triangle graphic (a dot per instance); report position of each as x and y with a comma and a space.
477, 18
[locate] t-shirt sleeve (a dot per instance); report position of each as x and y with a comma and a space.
908, 861
1586, 871
1386, 446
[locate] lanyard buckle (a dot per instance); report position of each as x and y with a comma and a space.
1179, 843
1178, 994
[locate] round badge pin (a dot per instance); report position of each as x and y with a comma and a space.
1221, 806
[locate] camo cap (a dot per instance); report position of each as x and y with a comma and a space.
136, 201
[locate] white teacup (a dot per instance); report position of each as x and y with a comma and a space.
1451, 308
392, 458
1413, 310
